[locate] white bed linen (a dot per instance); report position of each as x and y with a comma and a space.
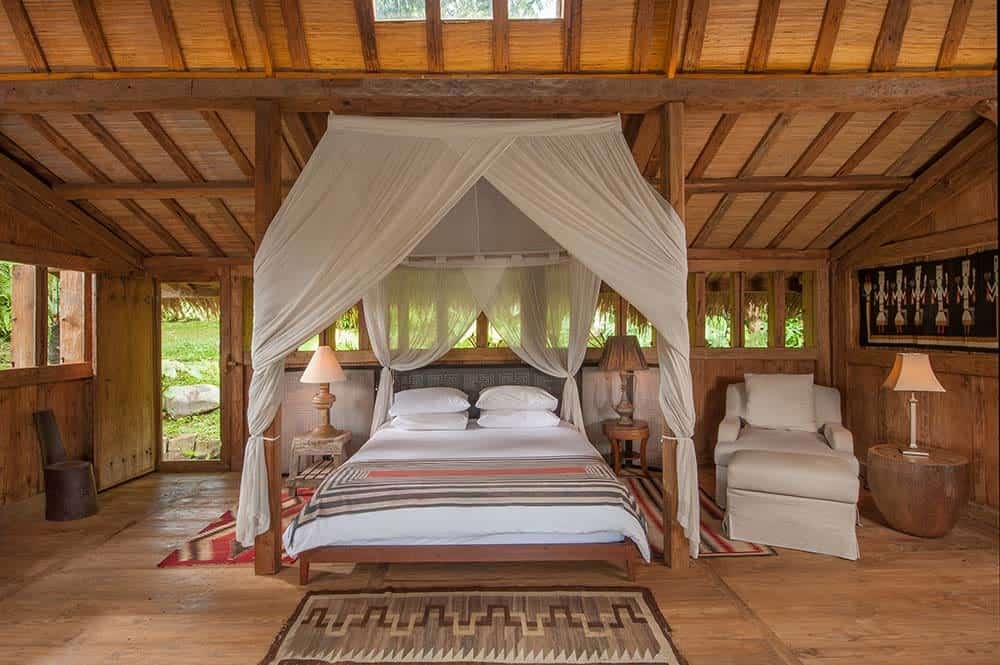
474, 524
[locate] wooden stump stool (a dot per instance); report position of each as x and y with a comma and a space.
70, 491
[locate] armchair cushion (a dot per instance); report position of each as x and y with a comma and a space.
781, 401
776, 440
729, 429
838, 437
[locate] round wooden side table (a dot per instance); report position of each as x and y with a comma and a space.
624, 435
921, 496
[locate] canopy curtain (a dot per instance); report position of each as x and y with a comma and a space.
414, 316
375, 187
543, 313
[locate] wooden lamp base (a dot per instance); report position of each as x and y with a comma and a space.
323, 400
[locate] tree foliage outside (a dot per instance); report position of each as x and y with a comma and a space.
415, 10
6, 314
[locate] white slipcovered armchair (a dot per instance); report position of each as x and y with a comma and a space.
832, 438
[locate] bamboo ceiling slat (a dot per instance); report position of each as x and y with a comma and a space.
736, 217
849, 139
657, 50
402, 46
858, 33
200, 28
468, 46
277, 36
818, 219
115, 211
904, 137
11, 57
251, 46
792, 142
176, 227
978, 47
606, 36
786, 208
130, 32
922, 37
795, 35
196, 140
209, 219
85, 142
697, 209
728, 31
134, 138
332, 34
536, 46
698, 127
59, 34
38, 147
240, 125
739, 145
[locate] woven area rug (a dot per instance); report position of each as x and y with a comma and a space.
648, 491
510, 625
216, 543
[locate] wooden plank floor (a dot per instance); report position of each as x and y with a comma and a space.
90, 592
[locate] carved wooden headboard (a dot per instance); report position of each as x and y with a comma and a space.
472, 379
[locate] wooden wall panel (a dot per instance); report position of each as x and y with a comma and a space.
402, 45
606, 31
468, 46
536, 46
126, 400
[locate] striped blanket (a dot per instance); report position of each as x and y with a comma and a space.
368, 487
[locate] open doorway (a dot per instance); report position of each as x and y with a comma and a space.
190, 385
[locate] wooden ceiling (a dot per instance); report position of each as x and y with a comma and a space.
760, 174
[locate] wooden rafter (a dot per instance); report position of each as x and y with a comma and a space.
298, 138
94, 34
763, 33
259, 9
642, 33
876, 138
675, 33
572, 29
646, 136
234, 36
763, 146
799, 168
229, 142
695, 38
484, 94
890, 36
291, 14
166, 29
829, 27
838, 183
435, 37
364, 13
712, 146
501, 36
24, 31
953, 33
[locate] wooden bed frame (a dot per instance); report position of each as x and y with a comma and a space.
470, 379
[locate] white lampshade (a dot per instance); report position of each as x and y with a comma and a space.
323, 367
912, 373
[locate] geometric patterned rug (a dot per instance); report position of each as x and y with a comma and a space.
556, 626
648, 491
216, 543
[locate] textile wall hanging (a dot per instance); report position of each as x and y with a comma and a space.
942, 304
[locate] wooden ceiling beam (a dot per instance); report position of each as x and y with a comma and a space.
193, 227
259, 11
890, 36
300, 140
364, 13
572, 29
435, 37
675, 33
642, 33
763, 34
695, 37
829, 27
24, 32
90, 23
953, 33
228, 141
154, 225
166, 29
509, 95
291, 13
646, 137
711, 148
843, 183
234, 36
987, 109
501, 36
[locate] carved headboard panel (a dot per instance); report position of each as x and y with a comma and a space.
472, 379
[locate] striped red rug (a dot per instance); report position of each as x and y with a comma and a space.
216, 543
648, 492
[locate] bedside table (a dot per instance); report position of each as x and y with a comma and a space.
315, 473
626, 434
921, 496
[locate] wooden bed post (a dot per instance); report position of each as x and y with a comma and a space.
267, 200
675, 548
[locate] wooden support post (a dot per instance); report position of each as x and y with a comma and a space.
675, 547
776, 324
24, 303
72, 316
267, 200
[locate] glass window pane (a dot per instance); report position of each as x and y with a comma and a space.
605, 318
6, 314
310, 344
534, 8
466, 9
345, 334
400, 10
719, 310
757, 297
798, 310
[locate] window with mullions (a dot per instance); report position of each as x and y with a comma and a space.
719, 296
466, 10
54, 335
758, 308
534, 9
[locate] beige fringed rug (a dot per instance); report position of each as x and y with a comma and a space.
509, 625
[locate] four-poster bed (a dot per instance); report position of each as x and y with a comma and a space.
374, 188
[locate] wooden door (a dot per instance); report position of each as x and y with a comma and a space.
126, 399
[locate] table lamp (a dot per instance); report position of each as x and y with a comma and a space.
912, 373
323, 369
622, 354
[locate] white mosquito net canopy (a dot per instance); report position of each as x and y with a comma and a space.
562, 198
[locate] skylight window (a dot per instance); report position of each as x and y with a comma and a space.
534, 9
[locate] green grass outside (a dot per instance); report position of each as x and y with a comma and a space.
190, 355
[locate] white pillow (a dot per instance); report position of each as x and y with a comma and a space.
424, 421
516, 398
428, 400
510, 419
781, 401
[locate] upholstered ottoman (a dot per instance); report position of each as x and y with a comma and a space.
800, 501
